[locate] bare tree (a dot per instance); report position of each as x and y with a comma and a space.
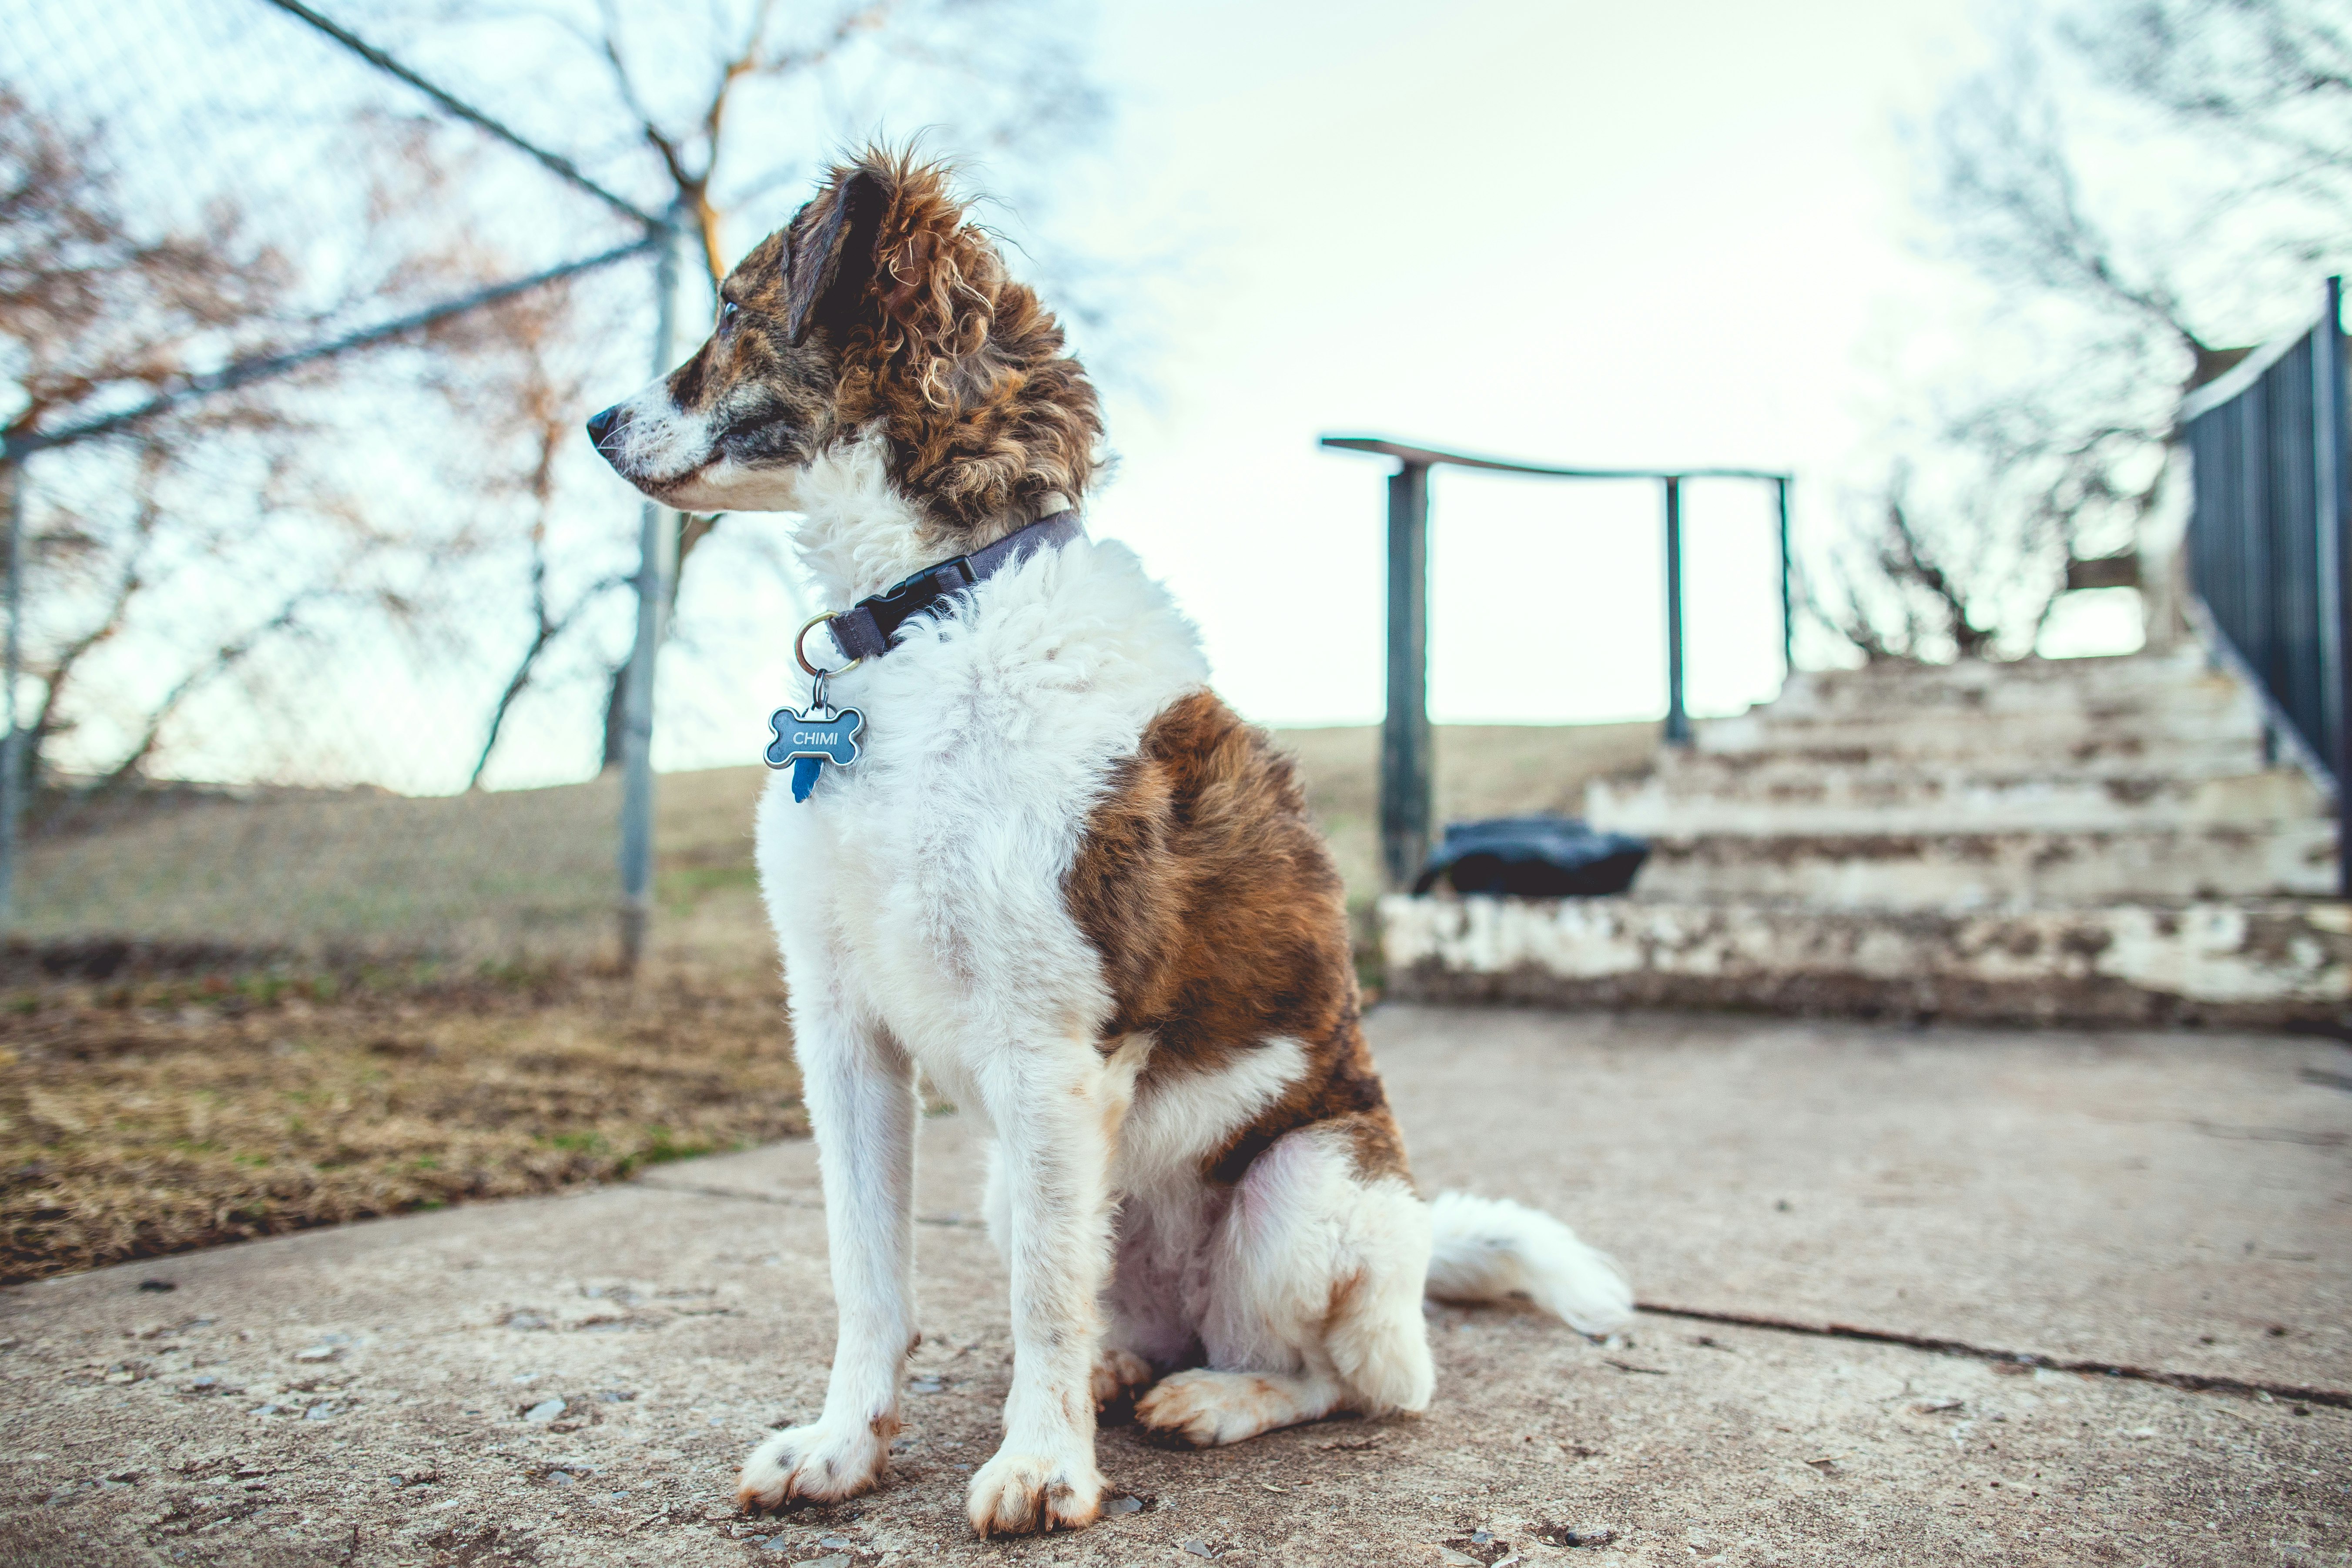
2272, 76
177, 554
90, 312
2064, 459
512, 374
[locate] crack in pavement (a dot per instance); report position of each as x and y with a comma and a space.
2192, 1382
815, 1205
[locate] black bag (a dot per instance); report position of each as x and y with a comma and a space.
1534, 857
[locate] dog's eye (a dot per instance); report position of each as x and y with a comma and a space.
727, 312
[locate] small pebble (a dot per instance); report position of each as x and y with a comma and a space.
319, 1412
563, 1477
317, 1352
546, 1410
1201, 1549
924, 1385
1122, 1505
833, 1560
837, 1543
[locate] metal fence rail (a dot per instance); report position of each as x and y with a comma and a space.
277, 135
2267, 556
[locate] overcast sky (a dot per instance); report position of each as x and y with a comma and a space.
1581, 234
1585, 234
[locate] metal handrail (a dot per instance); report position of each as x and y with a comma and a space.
1432, 456
1407, 742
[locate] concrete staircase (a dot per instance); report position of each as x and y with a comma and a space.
2082, 840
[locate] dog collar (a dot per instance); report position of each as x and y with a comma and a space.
864, 630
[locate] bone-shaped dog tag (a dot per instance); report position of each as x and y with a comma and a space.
808, 740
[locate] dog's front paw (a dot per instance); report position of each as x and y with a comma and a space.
1021, 1494
813, 1464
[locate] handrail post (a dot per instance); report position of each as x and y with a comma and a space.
1678, 728
1406, 759
1788, 610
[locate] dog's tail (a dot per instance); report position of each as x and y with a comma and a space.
1487, 1249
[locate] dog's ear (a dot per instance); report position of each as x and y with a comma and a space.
832, 255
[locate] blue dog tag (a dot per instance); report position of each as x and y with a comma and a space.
808, 740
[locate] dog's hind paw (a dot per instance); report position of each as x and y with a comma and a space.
1117, 1372
1207, 1408
1024, 1494
815, 1463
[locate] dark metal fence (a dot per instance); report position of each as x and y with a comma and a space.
2267, 556
1408, 760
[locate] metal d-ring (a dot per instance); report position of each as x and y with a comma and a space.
802, 657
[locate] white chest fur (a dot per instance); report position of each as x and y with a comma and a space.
922, 887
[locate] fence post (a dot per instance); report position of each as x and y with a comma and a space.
656, 562
12, 751
1406, 761
1678, 729
2331, 461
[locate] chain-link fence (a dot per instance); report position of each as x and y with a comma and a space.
297, 507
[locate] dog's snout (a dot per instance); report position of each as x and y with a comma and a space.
601, 425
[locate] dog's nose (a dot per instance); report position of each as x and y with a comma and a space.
601, 425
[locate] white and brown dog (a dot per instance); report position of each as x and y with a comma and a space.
1069, 885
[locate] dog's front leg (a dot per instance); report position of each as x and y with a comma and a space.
860, 1091
1054, 1120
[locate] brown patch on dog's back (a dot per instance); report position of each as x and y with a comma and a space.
1222, 924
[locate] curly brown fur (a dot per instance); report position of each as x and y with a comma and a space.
881, 301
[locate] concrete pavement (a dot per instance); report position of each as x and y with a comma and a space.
573, 1380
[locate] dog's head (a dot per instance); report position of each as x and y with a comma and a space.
877, 309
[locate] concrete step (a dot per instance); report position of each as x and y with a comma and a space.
2115, 756
2134, 684
1996, 870
2200, 742
2252, 965
1701, 792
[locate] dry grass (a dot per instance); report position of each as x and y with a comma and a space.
290, 1079
140, 1120
514, 876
